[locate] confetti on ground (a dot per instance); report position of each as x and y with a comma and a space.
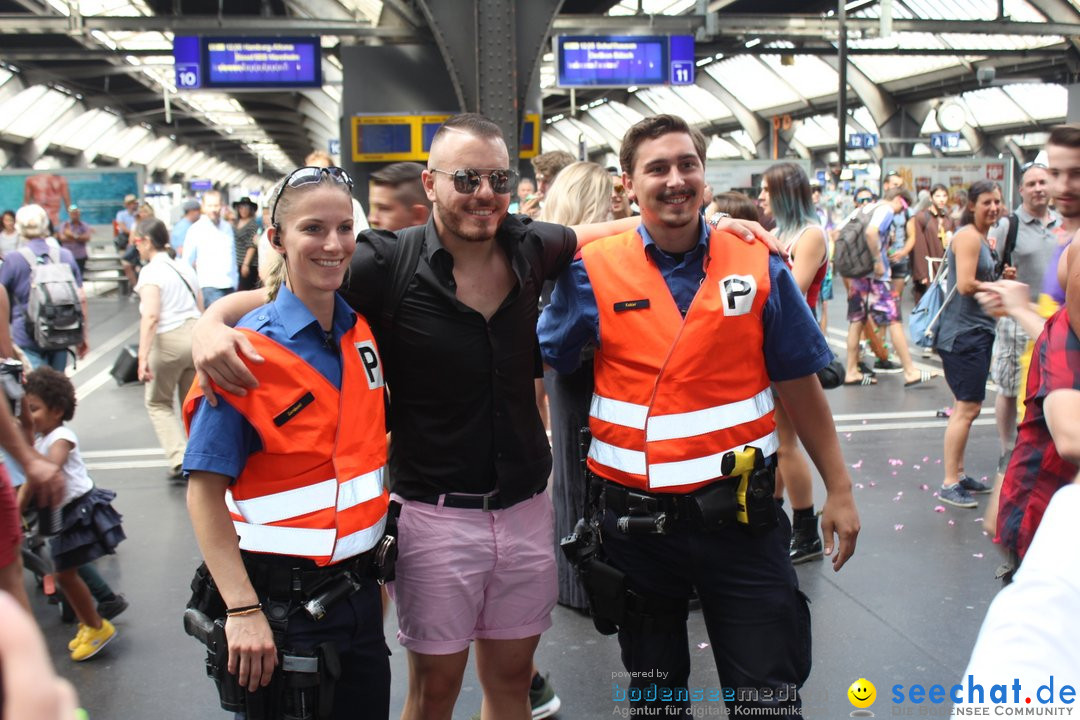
847, 436
894, 473
938, 461
926, 458
702, 646
978, 520
976, 555
924, 487
898, 527
895, 462
952, 522
939, 508
917, 467
858, 486
856, 466
873, 484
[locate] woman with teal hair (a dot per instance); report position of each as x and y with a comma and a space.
786, 195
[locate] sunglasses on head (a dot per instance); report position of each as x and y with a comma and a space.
468, 181
309, 176
1027, 166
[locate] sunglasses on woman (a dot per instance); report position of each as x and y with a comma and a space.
467, 181
308, 176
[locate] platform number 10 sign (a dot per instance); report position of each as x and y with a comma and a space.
187, 77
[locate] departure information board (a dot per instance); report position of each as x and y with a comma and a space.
624, 60
396, 138
247, 63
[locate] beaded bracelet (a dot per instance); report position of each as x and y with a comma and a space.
241, 611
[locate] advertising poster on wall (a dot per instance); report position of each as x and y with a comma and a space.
98, 192
954, 173
745, 175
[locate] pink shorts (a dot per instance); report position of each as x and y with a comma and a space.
467, 574
10, 522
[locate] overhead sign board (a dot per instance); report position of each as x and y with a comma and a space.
247, 63
945, 140
624, 60
862, 140
397, 138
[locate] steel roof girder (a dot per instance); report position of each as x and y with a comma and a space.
93, 148
755, 125
39, 144
613, 142
208, 25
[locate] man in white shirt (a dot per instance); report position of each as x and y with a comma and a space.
208, 247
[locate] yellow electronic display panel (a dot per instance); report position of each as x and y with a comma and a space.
398, 138
384, 138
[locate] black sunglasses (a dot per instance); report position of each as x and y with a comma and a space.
468, 181
863, 200
308, 176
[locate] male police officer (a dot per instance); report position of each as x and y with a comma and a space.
694, 330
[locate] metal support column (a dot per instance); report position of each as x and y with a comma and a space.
841, 98
492, 50
497, 86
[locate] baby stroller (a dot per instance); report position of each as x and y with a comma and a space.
35, 557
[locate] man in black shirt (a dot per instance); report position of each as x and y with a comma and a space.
469, 458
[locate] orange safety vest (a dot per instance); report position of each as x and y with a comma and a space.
317, 487
673, 395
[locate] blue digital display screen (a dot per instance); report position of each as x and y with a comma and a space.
624, 60
384, 139
237, 63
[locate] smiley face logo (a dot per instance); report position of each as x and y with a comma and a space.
862, 693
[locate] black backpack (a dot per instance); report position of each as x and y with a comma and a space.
852, 257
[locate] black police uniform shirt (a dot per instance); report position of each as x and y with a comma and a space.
462, 400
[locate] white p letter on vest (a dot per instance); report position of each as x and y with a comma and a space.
738, 292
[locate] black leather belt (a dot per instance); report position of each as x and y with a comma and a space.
465, 502
487, 503
626, 501
281, 576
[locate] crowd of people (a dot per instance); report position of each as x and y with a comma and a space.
433, 323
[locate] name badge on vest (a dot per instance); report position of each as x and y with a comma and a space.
739, 292
291, 411
627, 305
372, 366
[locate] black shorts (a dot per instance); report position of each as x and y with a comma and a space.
967, 365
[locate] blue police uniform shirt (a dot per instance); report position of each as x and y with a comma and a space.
221, 438
794, 346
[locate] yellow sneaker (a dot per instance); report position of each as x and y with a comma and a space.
77, 640
93, 641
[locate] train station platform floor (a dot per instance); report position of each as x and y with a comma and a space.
906, 609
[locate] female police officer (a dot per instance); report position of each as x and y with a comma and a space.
297, 474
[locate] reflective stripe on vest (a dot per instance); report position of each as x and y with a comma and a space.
316, 489
672, 474
681, 425
301, 501
674, 394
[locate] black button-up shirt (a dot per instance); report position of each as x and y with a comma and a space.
462, 400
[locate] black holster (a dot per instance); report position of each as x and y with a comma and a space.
303, 684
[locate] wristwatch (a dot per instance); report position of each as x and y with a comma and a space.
716, 217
